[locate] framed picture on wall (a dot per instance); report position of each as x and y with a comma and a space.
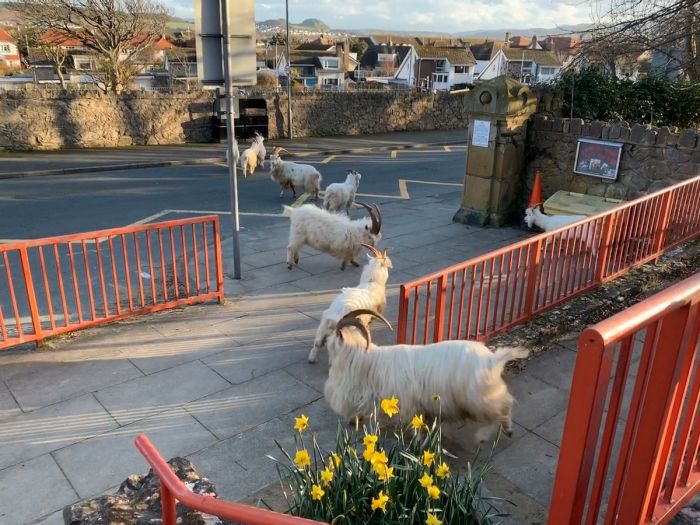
598, 158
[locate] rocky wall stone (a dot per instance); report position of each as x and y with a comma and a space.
48, 119
652, 158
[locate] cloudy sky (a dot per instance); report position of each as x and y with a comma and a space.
422, 15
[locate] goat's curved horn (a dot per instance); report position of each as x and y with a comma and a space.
357, 324
372, 249
365, 311
379, 217
372, 214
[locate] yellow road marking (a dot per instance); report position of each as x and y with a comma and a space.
301, 200
328, 159
394, 152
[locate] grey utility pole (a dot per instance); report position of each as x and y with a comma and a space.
230, 136
289, 77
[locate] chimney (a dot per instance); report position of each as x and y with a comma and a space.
342, 51
533, 44
507, 41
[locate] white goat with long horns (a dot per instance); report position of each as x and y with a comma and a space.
341, 195
253, 156
336, 235
370, 294
293, 175
466, 376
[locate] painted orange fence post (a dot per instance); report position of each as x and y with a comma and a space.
663, 224
606, 237
533, 267
402, 323
31, 295
219, 262
440, 309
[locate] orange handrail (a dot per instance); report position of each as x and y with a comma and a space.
173, 490
485, 295
656, 444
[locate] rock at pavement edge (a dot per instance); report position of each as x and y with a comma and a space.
137, 502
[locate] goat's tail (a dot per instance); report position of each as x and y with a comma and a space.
510, 353
287, 211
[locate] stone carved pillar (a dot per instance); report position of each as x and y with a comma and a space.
498, 111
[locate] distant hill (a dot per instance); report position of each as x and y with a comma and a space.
310, 24
499, 34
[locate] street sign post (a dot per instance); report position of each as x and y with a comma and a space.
225, 40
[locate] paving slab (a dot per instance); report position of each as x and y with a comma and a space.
8, 405
149, 395
55, 518
269, 325
555, 367
535, 400
47, 429
104, 461
32, 490
247, 405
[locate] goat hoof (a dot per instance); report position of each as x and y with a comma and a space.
354, 263
289, 266
509, 432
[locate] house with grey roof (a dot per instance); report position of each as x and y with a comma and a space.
528, 66
437, 68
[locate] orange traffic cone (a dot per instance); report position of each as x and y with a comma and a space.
536, 195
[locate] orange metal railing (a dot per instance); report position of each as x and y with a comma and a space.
60, 284
173, 490
629, 452
488, 294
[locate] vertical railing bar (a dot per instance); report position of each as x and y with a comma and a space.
185, 262
88, 277
427, 312
102, 277
3, 329
607, 235
219, 261
507, 289
61, 288
127, 273
11, 289
644, 246
548, 260
630, 233
438, 324
487, 309
461, 302
482, 274
518, 281
470, 304
561, 270
162, 266
415, 315
174, 262
168, 505
402, 324
149, 248
31, 294
620, 228
196, 258
450, 315
498, 294
137, 252
117, 295
206, 255
574, 263
75, 282
47, 290
694, 439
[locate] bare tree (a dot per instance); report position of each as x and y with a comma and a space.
57, 55
670, 28
118, 31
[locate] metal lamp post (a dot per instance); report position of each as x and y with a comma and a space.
289, 76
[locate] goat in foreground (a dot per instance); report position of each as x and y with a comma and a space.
536, 216
336, 235
369, 294
465, 374
293, 175
251, 157
341, 195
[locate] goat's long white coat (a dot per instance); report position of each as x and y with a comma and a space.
292, 174
336, 235
341, 195
534, 217
465, 374
369, 294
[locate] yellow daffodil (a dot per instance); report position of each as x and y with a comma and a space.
390, 406
317, 492
432, 520
380, 501
417, 422
428, 458
326, 476
436, 397
379, 458
302, 458
370, 440
443, 470
426, 480
334, 460
433, 492
367, 454
383, 471
301, 423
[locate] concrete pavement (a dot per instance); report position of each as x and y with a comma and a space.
37, 163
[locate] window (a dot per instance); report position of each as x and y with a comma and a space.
547, 70
439, 78
5, 48
330, 81
330, 63
461, 69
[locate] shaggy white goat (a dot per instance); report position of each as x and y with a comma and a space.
341, 195
337, 235
465, 374
536, 216
369, 294
250, 158
262, 152
292, 175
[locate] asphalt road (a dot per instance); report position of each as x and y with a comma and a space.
62, 204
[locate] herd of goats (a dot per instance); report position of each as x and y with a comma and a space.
466, 375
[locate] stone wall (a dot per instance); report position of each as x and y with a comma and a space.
47, 119
652, 158
361, 113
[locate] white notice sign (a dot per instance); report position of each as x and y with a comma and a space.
480, 135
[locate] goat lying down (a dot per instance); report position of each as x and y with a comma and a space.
369, 294
465, 374
536, 216
336, 235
